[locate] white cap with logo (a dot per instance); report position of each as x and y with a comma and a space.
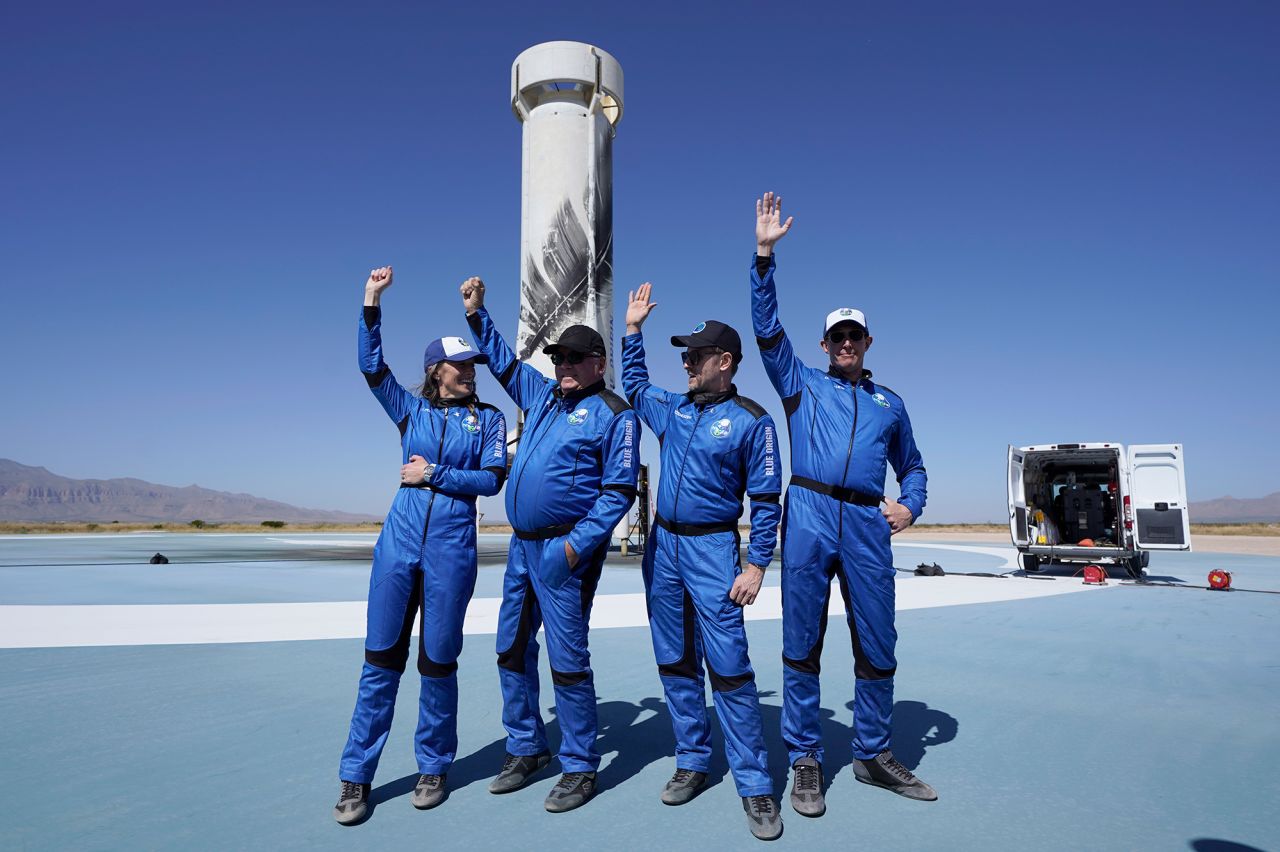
840, 315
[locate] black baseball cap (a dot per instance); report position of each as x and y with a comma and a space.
712, 333
578, 338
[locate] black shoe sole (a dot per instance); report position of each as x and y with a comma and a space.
437, 803
862, 780
808, 816
781, 830
696, 794
528, 779
573, 808
358, 821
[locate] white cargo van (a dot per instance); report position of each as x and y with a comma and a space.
1122, 503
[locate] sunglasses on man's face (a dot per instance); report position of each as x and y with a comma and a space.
839, 337
694, 357
571, 358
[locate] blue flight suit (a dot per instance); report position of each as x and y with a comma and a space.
714, 448
573, 479
425, 559
842, 436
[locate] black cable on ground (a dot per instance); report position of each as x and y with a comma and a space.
177, 561
951, 573
1201, 588
1078, 573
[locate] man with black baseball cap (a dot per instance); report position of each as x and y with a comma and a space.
845, 430
573, 480
578, 340
716, 446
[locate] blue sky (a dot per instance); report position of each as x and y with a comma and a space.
1062, 220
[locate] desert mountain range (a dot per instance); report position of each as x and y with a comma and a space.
34, 495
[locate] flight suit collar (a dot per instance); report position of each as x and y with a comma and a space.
839, 377
703, 400
580, 393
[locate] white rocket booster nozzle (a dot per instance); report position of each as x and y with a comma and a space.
566, 71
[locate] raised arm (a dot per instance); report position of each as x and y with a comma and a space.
784, 369
620, 457
522, 383
652, 403
397, 401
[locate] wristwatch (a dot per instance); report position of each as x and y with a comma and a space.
428, 471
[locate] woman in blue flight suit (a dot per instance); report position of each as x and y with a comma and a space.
455, 449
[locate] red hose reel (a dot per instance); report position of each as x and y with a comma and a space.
1095, 575
1219, 580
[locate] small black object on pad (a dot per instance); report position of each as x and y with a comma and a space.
934, 570
159, 559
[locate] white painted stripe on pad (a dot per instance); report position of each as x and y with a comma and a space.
195, 624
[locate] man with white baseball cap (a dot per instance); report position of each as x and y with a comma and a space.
845, 430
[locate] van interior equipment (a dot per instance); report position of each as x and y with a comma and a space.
1097, 503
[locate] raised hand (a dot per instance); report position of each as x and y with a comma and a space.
472, 291
769, 225
639, 307
379, 280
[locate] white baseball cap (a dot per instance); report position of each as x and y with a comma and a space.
840, 315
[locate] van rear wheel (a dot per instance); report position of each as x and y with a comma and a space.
1134, 566
1030, 562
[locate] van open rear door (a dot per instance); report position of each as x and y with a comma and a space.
1017, 498
1157, 499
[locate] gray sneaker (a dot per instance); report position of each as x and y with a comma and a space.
763, 817
517, 770
429, 792
885, 771
683, 786
573, 790
806, 788
353, 803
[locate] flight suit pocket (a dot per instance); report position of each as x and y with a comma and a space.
555, 564
877, 536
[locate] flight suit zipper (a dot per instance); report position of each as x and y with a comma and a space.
515, 497
849, 456
684, 463
426, 521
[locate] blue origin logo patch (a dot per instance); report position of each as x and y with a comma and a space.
471, 423
880, 400
721, 428
577, 418
699, 327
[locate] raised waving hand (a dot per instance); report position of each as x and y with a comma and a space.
769, 225
639, 307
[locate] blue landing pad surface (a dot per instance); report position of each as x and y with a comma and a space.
1130, 718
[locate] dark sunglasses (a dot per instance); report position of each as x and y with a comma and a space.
694, 357
572, 358
838, 337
